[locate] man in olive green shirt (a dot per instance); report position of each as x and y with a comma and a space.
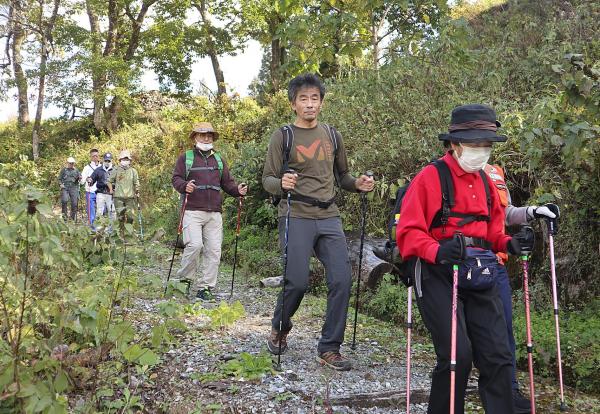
68, 179
315, 222
124, 185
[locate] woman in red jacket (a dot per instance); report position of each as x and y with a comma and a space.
425, 239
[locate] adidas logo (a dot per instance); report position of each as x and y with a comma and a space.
486, 271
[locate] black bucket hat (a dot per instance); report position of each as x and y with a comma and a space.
473, 123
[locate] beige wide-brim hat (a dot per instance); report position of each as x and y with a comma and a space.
71, 160
124, 154
204, 127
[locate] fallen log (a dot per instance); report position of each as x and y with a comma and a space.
373, 268
271, 282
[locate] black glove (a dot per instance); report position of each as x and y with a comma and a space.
521, 242
451, 252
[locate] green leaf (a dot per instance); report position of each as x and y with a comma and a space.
61, 382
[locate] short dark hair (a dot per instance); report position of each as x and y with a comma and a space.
306, 80
93, 150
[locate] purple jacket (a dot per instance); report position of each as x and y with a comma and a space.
204, 199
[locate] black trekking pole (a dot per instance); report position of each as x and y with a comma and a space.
363, 208
179, 229
285, 263
237, 236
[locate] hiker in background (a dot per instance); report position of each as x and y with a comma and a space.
68, 179
426, 238
201, 173
90, 190
514, 216
104, 199
124, 185
316, 155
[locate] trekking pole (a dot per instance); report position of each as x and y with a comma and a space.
363, 208
179, 229
88, 207
461, 238
139, 209
552, 230
525, 259
237, 236
285, 263
408, 339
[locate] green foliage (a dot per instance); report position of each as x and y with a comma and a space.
59, 293
579, 332
389, 302
249, 367
225, 315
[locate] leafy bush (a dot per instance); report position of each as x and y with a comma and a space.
580, 334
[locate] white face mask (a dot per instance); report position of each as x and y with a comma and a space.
125, 163
204, 147
473, 159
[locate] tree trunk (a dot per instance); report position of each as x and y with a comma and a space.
219, 76
98, 79
19, 36
113, 113
212, 52
275, 63
278, 53
46, 35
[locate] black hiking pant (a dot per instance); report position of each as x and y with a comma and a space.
481, 339
326, 237
69, 195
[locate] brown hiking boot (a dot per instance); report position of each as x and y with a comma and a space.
273, 342
335, 360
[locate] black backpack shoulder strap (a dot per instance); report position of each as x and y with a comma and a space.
288, 138
488, 197
333, 136
447, 190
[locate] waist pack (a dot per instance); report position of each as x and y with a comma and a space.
479, 270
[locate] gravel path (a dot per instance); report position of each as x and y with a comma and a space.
188, 379
376, 384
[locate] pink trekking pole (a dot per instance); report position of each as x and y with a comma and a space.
408, 339
525, 259
552, 230
460, 236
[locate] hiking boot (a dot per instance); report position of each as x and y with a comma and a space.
273, 342
521, 403
335, 360
205, 295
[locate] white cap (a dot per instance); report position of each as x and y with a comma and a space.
71, 160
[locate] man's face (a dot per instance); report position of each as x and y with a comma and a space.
307, 104
204, 137
94, 157
71, 165
107, 163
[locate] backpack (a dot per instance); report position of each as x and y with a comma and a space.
390, 251
189, 161
287, 133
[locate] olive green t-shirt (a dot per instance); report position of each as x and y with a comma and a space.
312, 157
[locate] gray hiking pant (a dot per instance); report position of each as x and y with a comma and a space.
69, 195
326, 237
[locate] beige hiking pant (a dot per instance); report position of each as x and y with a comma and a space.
202, 233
